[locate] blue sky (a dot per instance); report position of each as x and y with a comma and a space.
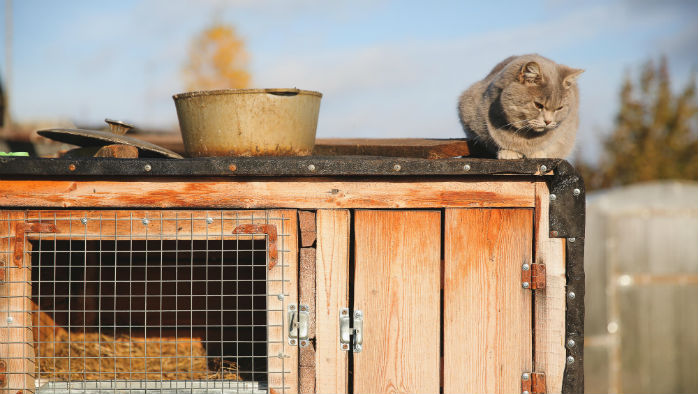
386, 68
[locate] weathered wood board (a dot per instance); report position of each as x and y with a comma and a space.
332, 259
397, 287
488, 315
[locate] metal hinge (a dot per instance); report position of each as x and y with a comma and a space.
534, 276
533, 383
351, 336
298, 318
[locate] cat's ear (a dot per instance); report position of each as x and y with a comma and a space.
530, 72
570, 75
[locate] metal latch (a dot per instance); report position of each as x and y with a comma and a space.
351, 336
298, 319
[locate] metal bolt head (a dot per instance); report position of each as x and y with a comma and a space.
10, 320
345, 346
71, 167
280, 297
526, 376
467, 167
577, 192
210, 220
397, 167
571, 295
572, 239
311, 167
145, 221
526, 285
543, 168
570, 343
83, 220
232, 167
147, 167
570, 360
358, 348
552, 197
303, 343
526, 267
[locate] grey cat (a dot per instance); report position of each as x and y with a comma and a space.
526, 107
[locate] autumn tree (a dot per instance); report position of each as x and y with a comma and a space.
655, 135
217, 60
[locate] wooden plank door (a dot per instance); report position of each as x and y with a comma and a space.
397, 287
488, 315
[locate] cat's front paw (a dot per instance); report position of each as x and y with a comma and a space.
509, 154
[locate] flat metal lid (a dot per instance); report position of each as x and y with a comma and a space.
85, 138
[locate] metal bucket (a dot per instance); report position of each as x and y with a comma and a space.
248, 122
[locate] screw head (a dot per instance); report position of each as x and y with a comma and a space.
467, 167
577, 192
570, 343
346, 346
554, 233
292, 307
302, 308
552, 197
145, 221
525, 392
571, 295
303, 343
572, 239
397, 167
543, 168
358, 348
292, 341
83, 220
10, 320
232, 167
311, 167
526, 267
344, 312
358, 314
570, 360
526, 376
71, 167
147, 167
210, 220
526, 285
280, 297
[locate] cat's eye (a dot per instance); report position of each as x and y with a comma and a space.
538, 105
560, 108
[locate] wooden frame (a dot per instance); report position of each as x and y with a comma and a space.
334, 199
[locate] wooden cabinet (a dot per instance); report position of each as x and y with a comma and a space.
465, 279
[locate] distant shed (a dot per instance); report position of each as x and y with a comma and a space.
641, 261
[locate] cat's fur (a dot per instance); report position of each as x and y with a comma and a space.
526, 107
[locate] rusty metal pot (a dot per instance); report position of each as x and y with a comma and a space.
248, 122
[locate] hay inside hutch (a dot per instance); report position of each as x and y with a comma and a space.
316, 274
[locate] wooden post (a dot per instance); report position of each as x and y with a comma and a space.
16, 339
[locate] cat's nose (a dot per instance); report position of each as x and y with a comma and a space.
547, 121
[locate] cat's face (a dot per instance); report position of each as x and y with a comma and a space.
539, 99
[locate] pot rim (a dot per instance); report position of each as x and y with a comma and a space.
219, 92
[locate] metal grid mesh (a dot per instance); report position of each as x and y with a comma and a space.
139, 300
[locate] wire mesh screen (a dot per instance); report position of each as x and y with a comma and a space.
132, 300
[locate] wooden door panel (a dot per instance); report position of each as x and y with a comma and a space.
397, 287
488, 315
